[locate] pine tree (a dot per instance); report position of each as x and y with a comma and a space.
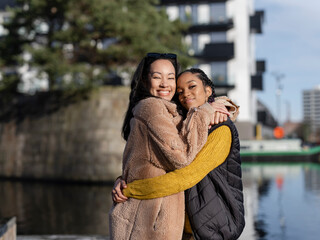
78, 43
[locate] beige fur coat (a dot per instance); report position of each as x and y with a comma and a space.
154, 147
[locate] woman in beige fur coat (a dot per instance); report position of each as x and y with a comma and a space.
158, 141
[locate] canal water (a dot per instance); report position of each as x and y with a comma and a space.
282, 201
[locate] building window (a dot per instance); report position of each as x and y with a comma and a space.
194, 43
189, 42
203, 14
219, 73
203, 39
218, 12
206, 68
218, 37
185, 13
173, 12
194, 13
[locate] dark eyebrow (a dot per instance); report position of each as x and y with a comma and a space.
154, 73
188, 82
160, 73
192, 80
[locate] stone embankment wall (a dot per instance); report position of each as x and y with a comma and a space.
8, 229
81, 141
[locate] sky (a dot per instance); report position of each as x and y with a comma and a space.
290, 44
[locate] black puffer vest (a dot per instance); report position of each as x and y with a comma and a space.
215, 205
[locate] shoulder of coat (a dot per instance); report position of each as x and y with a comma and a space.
149, 107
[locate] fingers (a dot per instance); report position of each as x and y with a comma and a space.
218, 117
219, 107
117, 199
117, 195
123, 184
225, 118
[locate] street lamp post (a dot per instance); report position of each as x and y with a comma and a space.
278, 76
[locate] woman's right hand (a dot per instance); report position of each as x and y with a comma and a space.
117, 195
220, 113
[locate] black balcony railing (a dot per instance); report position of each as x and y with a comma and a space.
217, 52
171, 2
257, 82
223, 85
260, 66
256, 22
215, 26
222, 89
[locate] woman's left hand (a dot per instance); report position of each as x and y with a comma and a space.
117, 195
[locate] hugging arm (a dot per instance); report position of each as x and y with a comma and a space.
232, 108
175, 149
214, 153
178, 149
223, 107
211, 155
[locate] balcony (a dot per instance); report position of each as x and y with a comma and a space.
260, 66
222, 89
217, 26
256, 22
222, 84
179, 2
257, 82
217, 52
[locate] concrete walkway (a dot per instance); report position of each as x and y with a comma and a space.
61, 237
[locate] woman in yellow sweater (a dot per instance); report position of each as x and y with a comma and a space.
193, 89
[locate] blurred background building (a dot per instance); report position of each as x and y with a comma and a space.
222, 38
311, 112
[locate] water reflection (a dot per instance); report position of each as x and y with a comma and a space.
56, 208
281, 202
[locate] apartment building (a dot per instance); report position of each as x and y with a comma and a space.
311, 109
222, 38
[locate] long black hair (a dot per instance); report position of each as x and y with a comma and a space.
140, 85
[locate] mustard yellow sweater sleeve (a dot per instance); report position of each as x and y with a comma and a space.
213, 153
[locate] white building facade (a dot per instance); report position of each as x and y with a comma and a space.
221, 37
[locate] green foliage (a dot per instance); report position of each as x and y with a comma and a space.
8, 87
76, 43
9, 83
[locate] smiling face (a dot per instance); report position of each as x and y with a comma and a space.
162, 78
191, 90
